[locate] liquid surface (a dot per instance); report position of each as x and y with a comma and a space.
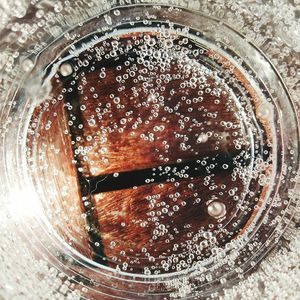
162, 154
166, 145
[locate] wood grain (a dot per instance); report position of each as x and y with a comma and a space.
122, 147
129, 219
125, 128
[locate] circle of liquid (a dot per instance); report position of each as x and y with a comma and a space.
159, 121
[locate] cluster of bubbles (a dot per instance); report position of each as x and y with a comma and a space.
177, 100
162, 143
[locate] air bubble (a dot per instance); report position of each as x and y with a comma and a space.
108, 19
123, 121
27, 65
216, 209
66, 69
92, 122
203, 138
265, 111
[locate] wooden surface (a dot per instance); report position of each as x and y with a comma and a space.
154, 143
153, 135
